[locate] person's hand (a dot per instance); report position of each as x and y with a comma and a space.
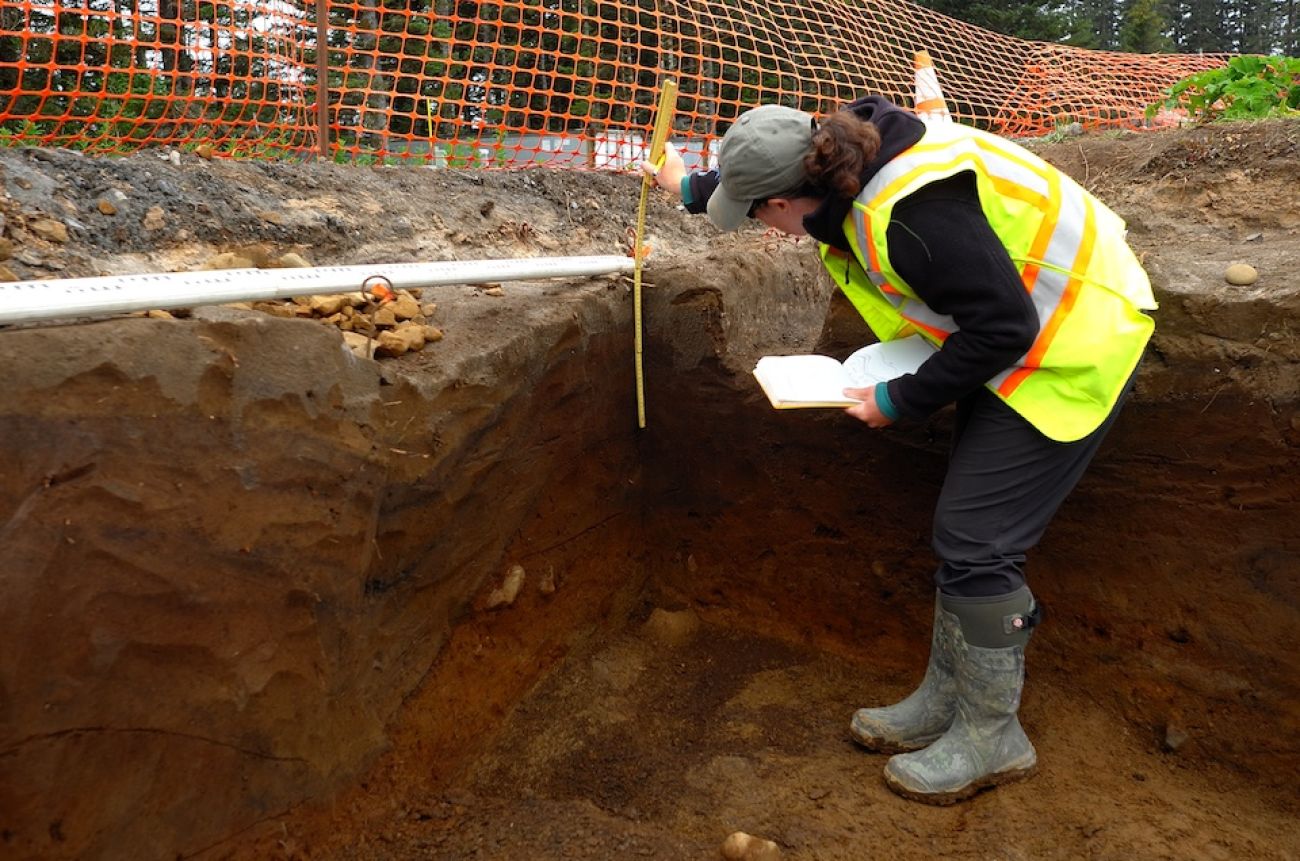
667, 176
867, 411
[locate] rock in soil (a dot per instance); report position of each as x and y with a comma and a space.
1241, 274
746, 847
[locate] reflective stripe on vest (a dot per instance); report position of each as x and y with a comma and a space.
1065, 245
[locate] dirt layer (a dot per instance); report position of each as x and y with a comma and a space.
252, 592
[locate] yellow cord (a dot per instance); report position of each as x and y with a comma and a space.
663, 122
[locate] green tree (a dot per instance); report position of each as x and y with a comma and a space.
1290, 23
1143, 30
1254, 25
1026, 19
1100, 21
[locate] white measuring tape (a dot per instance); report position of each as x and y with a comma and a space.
70, 298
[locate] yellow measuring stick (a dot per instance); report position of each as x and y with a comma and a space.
663, 123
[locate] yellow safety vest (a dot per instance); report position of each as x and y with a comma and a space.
1085, 282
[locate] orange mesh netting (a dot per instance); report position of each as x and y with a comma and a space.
565, 82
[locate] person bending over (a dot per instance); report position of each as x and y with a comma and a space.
1025, 283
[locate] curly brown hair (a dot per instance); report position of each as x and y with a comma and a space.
842, 147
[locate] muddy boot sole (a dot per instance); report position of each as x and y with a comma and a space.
882, 745
943, 799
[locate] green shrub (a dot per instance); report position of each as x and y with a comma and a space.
1249, 87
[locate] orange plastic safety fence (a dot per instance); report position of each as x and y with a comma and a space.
564, 82
113, 75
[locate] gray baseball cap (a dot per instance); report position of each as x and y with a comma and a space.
761, 157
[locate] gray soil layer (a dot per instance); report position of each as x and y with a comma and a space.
262, 598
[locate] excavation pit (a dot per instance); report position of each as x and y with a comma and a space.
261, 596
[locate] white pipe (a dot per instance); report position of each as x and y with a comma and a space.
65, 298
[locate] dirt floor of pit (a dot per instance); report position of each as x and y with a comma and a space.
660, 740
657, 739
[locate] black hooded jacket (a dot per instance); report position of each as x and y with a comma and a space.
944, 248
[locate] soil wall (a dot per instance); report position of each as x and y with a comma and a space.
1170, 578
232, 551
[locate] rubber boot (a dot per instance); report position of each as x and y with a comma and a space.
927, 712
985, 745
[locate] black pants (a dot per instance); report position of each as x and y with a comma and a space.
1005, 482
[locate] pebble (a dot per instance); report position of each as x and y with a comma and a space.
228, 260
49, 229
260, 254
327, 306
154, 219
106, 206
412, 334
390, 344
505, 595
275, 309
1241, 274
494, 291
672, 627
293, 261
432, 334
360, 345
746, 847
384, 317
548, 584
158, 314
1175, 737
405, 307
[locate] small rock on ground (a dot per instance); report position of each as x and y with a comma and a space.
746, 847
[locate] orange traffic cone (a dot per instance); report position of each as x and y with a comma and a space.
929, 103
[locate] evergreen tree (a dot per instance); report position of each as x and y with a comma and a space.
1200, 26
1290, 20
1026, 19
1254, 25
1143, 31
